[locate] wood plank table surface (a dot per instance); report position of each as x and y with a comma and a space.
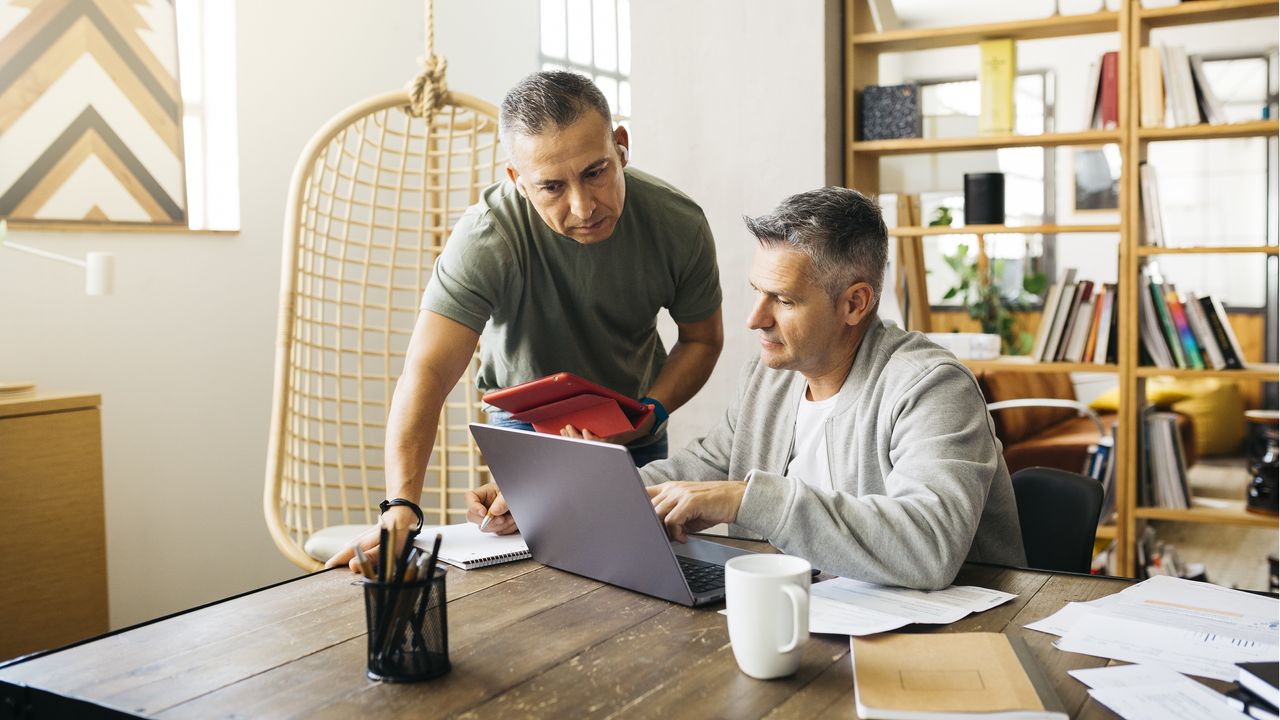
525, 640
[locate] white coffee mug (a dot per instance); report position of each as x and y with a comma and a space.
767, 597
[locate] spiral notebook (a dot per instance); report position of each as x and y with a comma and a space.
466, 547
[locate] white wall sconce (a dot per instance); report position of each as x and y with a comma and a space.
99, 267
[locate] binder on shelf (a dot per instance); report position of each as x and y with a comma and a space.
995, 80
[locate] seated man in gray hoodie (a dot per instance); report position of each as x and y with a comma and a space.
862, 448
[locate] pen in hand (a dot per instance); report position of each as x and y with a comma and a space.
488, 518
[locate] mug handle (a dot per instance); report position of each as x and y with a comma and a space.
797, 598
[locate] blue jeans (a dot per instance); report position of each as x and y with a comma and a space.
656, 450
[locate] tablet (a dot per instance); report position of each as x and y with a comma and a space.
551, 402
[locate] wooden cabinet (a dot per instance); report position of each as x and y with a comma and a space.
1133, 24
52, 530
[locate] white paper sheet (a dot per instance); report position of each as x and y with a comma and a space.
1103, 634
849, 607
1159, 702
1114, 676
1063, 620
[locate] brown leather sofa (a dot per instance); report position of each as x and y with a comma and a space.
1049, 436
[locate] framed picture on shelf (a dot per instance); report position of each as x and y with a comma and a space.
1095, 173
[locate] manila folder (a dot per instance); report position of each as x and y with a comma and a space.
899, 675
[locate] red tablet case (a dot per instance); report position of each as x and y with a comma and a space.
561, 399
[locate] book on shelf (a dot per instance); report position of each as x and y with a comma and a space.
1149, 331
1105, 352
1095, 328
900, 676
1155, 287
1109, 92
1152, 211
1150, 88
1070, 328
995, 80
1190, 347
1232, 354
1107, 445
1210, 105
1061, 313
1166, 467
1048, 310
890, 112
1075, 345
1091, 118
1184, 330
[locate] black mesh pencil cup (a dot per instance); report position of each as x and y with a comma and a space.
408, 632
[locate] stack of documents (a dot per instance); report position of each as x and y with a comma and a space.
1191, 627
850, 607
1149, 692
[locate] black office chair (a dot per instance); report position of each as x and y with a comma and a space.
1058, 512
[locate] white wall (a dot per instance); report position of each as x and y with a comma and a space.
732, 105
183, 352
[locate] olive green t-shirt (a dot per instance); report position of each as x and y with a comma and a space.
545, 303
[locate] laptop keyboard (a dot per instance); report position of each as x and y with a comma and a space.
701, 576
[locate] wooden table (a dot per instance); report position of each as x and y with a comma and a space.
525, 641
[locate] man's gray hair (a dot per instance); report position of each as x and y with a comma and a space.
549, 100
841, 230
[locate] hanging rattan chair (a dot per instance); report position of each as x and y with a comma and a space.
372, 200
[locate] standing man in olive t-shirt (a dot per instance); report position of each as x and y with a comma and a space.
562, 267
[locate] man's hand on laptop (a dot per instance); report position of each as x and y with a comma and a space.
690, 507
487, 501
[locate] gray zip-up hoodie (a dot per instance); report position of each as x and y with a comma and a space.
920, 485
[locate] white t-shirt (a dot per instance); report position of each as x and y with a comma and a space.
808, 461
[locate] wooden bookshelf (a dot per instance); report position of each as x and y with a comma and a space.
911, 146
931, 38
915, 231
1253, 128
1149, 250
1220, 512
1133, 24
1203, 11
1265, 372
1024, 364
1106, 532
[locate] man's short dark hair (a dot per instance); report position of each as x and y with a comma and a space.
841, 230
549, 100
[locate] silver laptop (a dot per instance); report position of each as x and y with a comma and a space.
582, 507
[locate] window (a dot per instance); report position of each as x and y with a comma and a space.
1215, 192
950, 109
207, 72
591, 37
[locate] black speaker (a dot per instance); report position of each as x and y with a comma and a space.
984, 198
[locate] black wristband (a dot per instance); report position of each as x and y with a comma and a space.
387, 504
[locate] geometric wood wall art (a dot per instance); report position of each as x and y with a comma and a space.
90, 112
